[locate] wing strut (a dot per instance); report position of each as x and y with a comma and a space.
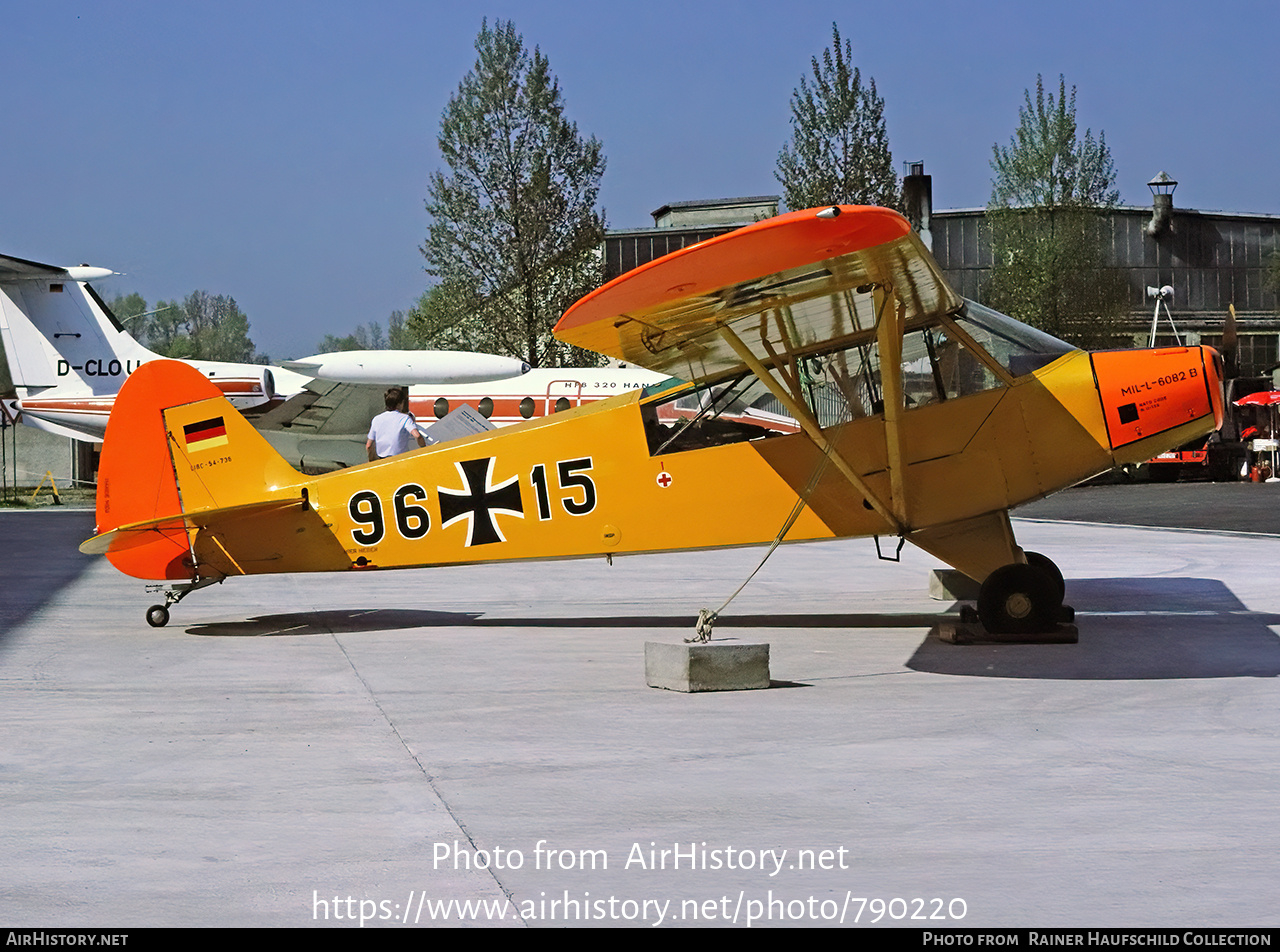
889, 333
810, 426
958, 332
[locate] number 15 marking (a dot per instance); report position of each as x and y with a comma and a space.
577, 487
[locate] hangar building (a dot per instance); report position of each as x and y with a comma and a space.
1211, 259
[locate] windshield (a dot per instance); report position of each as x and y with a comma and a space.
1020, 348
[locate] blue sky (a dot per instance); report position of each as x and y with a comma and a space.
279, 152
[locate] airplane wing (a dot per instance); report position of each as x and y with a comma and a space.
791, 283
324, 426
324, 408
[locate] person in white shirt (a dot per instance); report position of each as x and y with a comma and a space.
391, 431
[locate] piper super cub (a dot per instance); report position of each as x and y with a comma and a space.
825, 382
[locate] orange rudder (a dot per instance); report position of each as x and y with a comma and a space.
175, 446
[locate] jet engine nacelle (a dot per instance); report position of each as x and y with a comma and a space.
407, 367
245, 393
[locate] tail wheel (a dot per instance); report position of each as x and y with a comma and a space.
157, 616
1019, 599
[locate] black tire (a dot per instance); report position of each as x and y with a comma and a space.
1018, 599
157, 616
1046, 564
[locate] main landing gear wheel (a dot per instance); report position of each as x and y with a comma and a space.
157, 616
1047, 564
1019, 599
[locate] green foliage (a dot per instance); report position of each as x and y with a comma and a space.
331, 343
218, 329
128, 308
1049, 272
369, 337
839, 149
1046, 227
398, 336
1046, 165
165, 330
453, 316
1273, 273
203, 327
449, 317
365, 337
514, 233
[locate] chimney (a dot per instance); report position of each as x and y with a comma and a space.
917, 196
1161, 204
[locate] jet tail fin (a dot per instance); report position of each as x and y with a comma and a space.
57, 332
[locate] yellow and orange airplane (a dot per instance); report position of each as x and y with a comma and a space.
825, 382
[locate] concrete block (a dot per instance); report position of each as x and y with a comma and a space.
952, 585
706, 667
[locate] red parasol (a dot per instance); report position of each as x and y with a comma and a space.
1265, 398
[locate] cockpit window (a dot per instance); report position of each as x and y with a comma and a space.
732, 411
942, 359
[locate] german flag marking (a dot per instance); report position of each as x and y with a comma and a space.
205, 435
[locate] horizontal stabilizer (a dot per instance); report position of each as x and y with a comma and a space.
232, 540
19, 269
125, 537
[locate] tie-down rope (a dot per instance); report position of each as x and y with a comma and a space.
706, 617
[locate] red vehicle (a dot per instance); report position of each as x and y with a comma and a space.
1227, 454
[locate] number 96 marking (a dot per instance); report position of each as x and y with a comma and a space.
412, 520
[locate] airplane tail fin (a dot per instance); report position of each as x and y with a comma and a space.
177, 454
57, 332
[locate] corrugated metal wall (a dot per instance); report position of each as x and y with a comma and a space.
626, 250
1211, 260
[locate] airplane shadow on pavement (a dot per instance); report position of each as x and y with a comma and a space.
331, 622
379, 619
1130, 628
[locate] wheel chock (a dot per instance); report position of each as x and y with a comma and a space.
973, 633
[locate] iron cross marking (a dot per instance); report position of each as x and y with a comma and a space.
479, 501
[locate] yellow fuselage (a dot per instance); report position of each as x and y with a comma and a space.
583, 483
